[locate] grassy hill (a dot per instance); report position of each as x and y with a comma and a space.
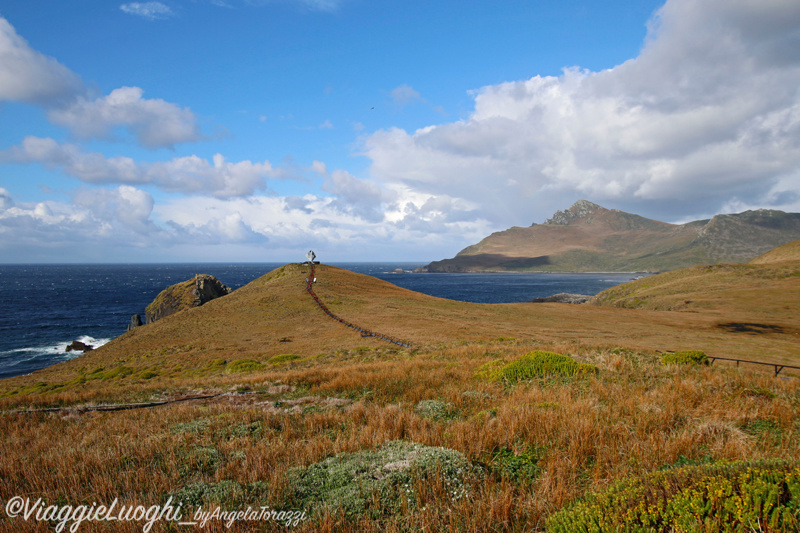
787, 252
296, 411
769, 290
588, 237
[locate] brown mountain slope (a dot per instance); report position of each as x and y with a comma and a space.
588, 237
274, 315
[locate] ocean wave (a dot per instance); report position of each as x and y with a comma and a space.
54, 353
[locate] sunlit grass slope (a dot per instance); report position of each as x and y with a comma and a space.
770, 290
274, 316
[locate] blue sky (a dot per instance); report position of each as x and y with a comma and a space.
253, 130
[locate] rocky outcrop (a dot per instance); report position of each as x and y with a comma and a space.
78, 346
191, 293
564, 298
582, 209
136, 321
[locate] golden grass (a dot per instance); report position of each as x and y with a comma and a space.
346, 393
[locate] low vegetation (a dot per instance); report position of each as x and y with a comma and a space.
487, 424
729, 497
536, 364
395, 478
685, 357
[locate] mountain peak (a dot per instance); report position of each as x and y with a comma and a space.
579, 210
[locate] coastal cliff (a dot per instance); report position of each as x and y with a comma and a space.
185, 295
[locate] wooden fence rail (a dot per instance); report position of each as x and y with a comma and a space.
778, 367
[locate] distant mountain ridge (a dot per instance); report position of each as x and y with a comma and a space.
590, 238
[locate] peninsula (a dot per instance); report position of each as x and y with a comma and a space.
590, 238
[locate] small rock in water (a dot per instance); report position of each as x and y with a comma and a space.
78, 346
564, 297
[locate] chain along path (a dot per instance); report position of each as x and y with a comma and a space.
364, 332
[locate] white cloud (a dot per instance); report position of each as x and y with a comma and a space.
148, 10
275, 225
708, 111
6, 202
319, 167
362, 198
96, 221
188, 175
404, 94
154, 122
128, 206
29, 76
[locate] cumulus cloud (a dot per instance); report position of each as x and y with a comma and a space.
95, 221
154, 122
148, 10
708, 111
188, 175
126, 205
29, 76
293, 223
363, 198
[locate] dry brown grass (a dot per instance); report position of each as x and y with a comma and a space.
634, 417
346, 393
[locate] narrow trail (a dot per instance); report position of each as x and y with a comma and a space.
364, 332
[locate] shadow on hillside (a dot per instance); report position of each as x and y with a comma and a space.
482, 261
749, 327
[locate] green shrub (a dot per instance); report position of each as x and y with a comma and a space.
685, 461
228, 494
253, 430
489, 370
283, 358
686, 357
520, 468
721, 497
380, 482
202, 460
435, 409
195, 426
536, 364
244, 365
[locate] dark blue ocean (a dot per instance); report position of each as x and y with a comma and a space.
43, 308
